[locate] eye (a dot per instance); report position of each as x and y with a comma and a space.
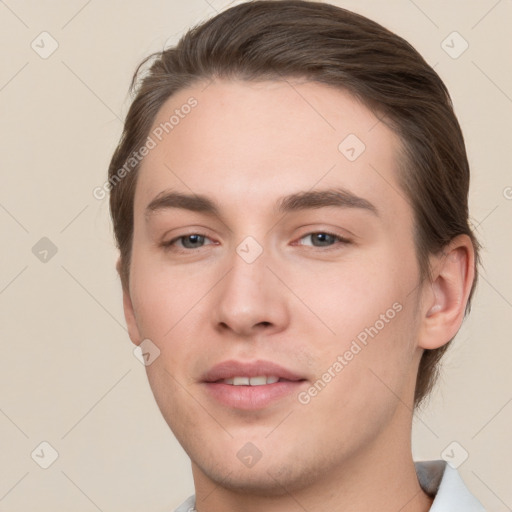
323, 239
191, 241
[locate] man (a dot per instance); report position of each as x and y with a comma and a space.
289, 198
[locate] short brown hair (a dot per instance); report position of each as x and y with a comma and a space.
269, 39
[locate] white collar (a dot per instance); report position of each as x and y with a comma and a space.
437, 478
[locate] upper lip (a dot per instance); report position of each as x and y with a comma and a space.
233, 368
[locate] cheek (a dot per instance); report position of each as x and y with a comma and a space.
360, 385
371, 312
173, 309
352, 297
164, 298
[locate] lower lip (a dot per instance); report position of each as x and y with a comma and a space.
252, 397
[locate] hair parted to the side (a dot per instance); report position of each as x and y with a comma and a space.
280, 39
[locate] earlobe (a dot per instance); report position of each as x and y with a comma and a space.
446, 298
129, 313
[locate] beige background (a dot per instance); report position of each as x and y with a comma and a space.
68, 375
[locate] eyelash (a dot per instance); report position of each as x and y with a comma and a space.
341, 240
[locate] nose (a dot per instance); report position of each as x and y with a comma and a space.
250, 299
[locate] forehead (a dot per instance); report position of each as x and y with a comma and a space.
246, 143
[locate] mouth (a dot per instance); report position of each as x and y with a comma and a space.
251, 385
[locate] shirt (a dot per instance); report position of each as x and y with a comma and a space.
436, 478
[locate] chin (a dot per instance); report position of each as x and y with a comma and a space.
258, 481
277, 475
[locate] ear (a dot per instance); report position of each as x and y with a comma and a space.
446, 296
129, 314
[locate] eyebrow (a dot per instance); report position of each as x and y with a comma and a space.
337, 197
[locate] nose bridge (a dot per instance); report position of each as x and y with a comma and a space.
248, 297
246, 282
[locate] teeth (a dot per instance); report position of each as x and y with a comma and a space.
258, 381
251, 381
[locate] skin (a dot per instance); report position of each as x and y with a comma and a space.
245, 145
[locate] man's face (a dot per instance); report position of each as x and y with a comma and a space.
267, 292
